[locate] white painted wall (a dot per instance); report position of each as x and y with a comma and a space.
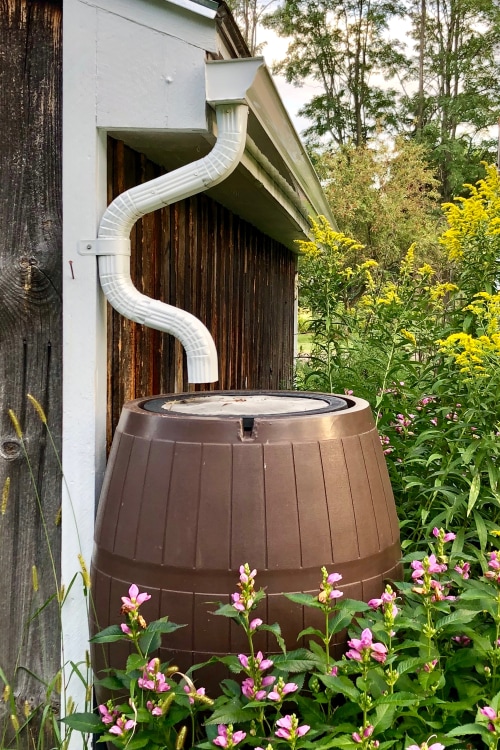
117, 56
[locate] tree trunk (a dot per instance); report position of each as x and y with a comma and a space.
30, 353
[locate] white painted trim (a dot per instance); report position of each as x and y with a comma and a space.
198, 8
84, 332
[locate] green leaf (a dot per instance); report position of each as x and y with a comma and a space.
398, 699
342, 685
276, 631
84, 722
135, 661
466, 729
232, 712
384, 716
305, 599
149, 641
475, 486
108, 635
459, 615
311, 631
482, 532
227, 610
163, 626
469, 451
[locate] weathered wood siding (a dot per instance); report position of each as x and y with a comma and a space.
30, 344
199, 256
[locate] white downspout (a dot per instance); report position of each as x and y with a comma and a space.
113, 241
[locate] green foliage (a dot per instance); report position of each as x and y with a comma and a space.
385, 196
426, 355
342, 46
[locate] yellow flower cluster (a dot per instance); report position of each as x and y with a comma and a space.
438, 291
476, 218
480, 354
408, 335
324, 236
389, 296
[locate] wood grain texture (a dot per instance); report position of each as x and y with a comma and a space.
30, 337
200, 257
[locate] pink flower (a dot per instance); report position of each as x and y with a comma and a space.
379, 652
462, 640
125, 629
153, 709
134, 599
152, 678
227, 738
262, 663
366, 732
494, 561
362, 648
334, 671
429, 667
289, 729
246, 575
334, 578
463, 569
256, 623
425, 746
243, 660
122, 725
489, 712
448, 536
107, 716
281, 690
427, 565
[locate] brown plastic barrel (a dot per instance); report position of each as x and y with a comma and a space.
188, 498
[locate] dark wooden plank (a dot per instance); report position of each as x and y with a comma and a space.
30, 341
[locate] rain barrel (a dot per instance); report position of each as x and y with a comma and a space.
199, 483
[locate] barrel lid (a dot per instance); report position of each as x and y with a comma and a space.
245, 403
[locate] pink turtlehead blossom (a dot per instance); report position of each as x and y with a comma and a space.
108, 715
256, 623
289, 729
134, 599
281, 690
359, 647
427, 565
122, 725
490, 714
425, 746
365, 733
153, 709
447, 536
463, 569
227, 738
152, 678
250, 691
247, 575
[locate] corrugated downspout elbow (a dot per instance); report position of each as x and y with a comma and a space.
113, 243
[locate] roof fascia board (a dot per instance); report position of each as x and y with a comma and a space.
207, 9
249, 80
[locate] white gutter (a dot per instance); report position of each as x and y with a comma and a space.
113, 240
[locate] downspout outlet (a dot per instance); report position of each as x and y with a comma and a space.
113, 243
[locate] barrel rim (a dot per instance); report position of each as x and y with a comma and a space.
354, 404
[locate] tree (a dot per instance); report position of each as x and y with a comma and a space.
248, 15
341, 45
386, 197
456, 67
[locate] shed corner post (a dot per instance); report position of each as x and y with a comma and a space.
84, 339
